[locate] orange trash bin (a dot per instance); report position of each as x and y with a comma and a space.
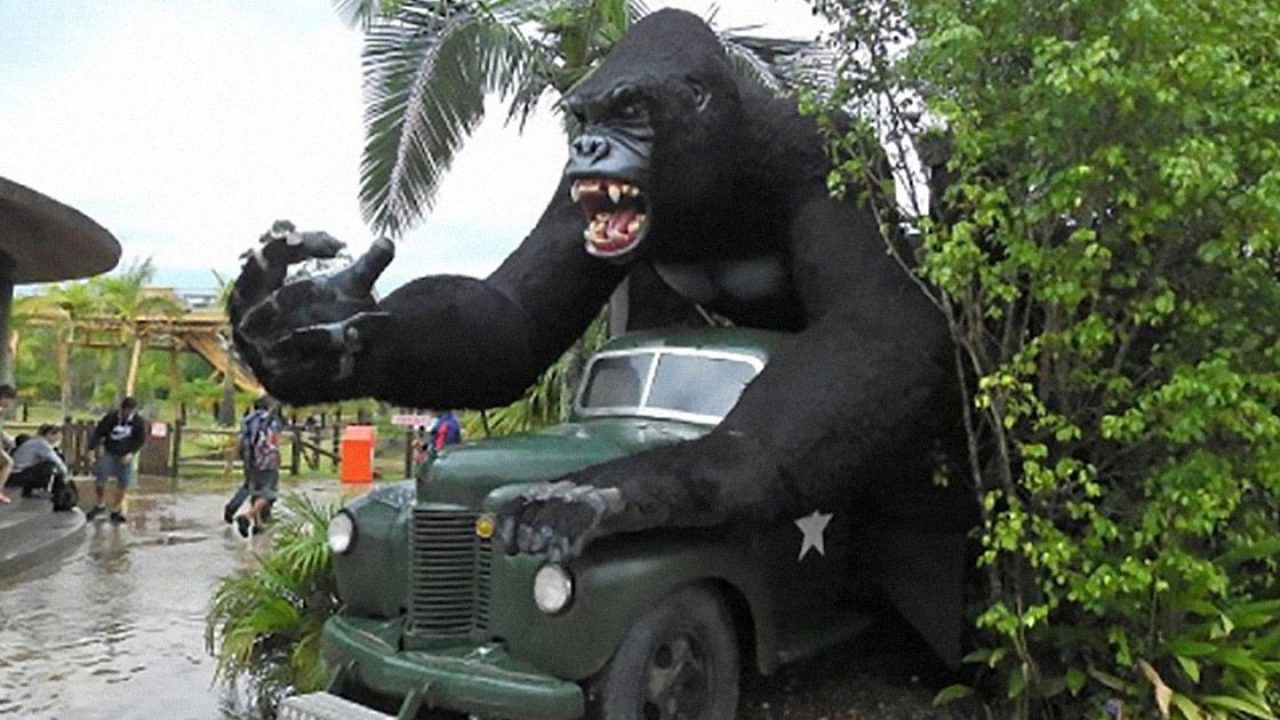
358, 442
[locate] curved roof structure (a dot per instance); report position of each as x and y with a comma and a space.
47, 241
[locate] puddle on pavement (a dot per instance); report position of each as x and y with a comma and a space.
115, 628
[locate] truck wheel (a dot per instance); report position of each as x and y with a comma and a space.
678, 662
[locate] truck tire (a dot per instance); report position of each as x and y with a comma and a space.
678, 662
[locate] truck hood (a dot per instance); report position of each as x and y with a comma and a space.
465, 474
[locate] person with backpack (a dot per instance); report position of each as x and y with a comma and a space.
260, 451
445, 430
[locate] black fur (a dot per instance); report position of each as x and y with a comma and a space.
854, 408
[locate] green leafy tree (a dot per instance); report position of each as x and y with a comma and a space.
125, 295
1104, 243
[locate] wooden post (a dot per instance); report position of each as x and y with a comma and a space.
337, 446
408, 452
176, 448
295, 452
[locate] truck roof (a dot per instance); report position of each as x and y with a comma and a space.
758, 343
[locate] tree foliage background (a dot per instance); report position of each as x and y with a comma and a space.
1105, 248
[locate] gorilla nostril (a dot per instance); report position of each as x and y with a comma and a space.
590, 147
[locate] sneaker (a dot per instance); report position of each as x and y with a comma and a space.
242, 526
117, 517
228, 514
98, 510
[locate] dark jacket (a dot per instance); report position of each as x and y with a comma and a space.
116, 437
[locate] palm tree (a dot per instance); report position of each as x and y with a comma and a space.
126, 296
64, 308
428, 65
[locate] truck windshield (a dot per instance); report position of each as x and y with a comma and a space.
698, 386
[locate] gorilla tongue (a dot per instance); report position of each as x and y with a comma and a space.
620, 219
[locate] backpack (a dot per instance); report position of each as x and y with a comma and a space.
264, 443
65, 495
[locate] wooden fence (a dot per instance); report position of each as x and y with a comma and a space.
177, 449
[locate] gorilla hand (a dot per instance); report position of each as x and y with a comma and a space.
557, 518
303, 338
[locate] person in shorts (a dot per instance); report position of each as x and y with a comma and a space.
116, 438
260, 449
7, 395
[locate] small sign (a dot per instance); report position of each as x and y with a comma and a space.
412, 420
159, 430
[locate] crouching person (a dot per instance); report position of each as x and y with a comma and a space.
38, 465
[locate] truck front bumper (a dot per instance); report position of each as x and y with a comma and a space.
481, 680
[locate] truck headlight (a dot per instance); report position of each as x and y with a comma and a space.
552, 589
342, 532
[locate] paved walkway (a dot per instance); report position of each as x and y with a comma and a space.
31, 533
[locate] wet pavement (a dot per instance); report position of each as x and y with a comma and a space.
114, 628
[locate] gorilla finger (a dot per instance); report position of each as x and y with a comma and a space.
309, 341
367, 325
321, 245
507, 533
357, 279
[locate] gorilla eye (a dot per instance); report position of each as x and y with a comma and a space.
631, 111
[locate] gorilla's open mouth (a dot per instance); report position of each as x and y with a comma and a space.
616, 214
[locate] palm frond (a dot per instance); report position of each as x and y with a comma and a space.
426, 76
363, 13
779, 64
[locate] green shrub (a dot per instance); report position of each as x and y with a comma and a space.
1107, 255
265, 624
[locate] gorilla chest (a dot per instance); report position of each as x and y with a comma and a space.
728, 283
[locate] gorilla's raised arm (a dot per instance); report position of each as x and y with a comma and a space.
438, 341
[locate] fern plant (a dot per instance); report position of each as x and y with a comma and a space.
265, 624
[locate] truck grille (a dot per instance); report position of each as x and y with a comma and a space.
449, 595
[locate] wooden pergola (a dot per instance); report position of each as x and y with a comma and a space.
204, 332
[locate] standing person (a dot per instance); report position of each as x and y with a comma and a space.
445, 430
260, 448
7, 395
117, 436
244, 448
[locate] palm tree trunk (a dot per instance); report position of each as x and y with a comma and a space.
175, 378
63, 352
135, 356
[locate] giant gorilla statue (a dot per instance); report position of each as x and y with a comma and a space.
716, 187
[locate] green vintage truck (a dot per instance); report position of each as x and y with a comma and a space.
652, 625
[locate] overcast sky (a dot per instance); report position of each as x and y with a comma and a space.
185, 127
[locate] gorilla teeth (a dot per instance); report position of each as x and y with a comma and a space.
574, 193
615, 192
